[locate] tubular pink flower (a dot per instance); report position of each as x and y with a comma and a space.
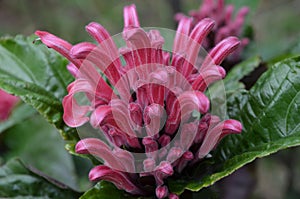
58, 44
211, 75
162, 192
142, 98
174, 154
130, 17
163, 170
225, 26
184, 160
99, 149
149, 164
7, 103
136, 113
215, 134
73, 69
219, 52
101, 35
198, 34
120, 179
173, 196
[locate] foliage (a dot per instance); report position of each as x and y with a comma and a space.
16, 180
39, 145
40, 80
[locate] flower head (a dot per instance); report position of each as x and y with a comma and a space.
225, 26
143, 101
7, 103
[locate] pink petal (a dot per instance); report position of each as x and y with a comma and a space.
181, 37
98, 56
74, 114
207, 77
130, 17
117, 137
199, 32
161, 192
82, 50
154, 116
58, 44
120, 138
121, 117
228, 13
73, 69
220, 5
142, 96
156, 91
162, 171
174, 154
149, 164
136, 113
187, 135
100, 114
99, 149
98, 32
151, 147
156, 39
119, 179
193, 100
126, 158
213, 135
188, 102
7, 103
105, 41
220, 52
173, 196
184, 160
164, 140
230, 127
138, 39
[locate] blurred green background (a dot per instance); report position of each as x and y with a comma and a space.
275, 22
276, 30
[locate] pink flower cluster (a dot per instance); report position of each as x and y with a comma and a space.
7, 103
225, 24
143, 101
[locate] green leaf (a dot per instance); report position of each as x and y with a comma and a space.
106, 190
19, 114
38, 76
17, 181
269, 113
39, 145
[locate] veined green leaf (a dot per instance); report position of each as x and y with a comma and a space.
17, 181
38, 145
38, 76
